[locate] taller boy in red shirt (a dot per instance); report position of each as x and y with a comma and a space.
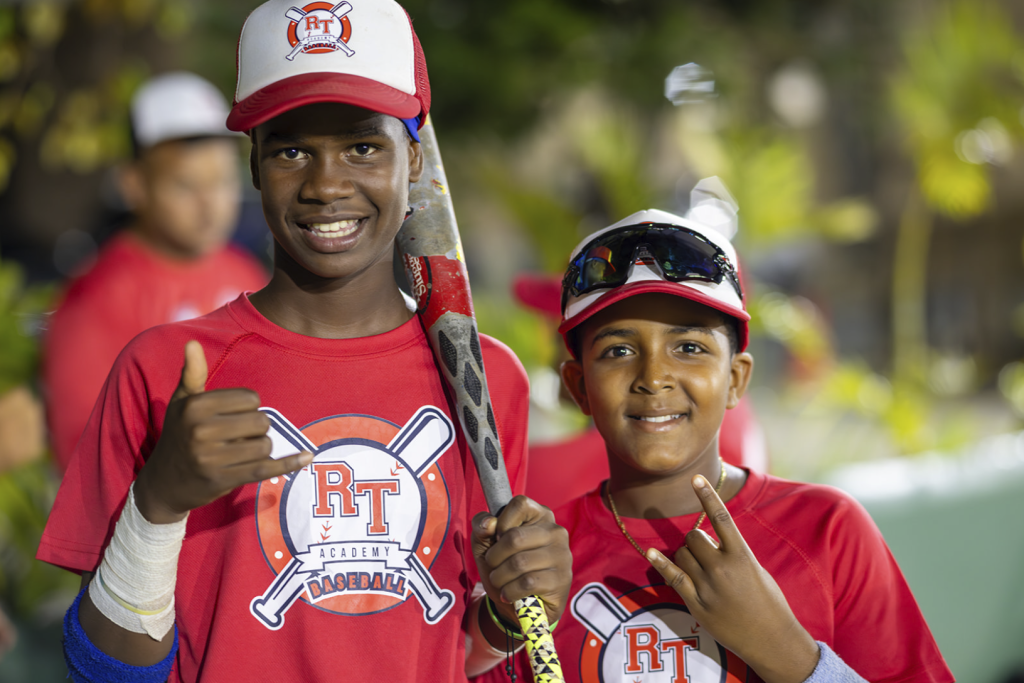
173, 262
325, 508
799, 585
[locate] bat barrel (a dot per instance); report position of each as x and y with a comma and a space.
457, 344
432, 255
432, 229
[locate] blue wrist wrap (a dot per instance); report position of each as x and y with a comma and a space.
87, 664
832, 669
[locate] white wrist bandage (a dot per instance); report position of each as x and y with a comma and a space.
134, 585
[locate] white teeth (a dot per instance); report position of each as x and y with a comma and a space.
661, 418
335, 229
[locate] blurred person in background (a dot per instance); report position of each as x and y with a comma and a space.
172, 263
567, 455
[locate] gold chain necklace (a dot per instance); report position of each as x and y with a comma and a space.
622, 526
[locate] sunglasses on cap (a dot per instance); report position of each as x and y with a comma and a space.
680, 254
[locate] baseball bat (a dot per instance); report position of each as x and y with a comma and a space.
431, 253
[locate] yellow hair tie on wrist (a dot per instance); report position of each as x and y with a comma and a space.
130, 608
506, 628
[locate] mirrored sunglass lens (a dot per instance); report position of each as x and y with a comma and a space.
606, 263
682, 256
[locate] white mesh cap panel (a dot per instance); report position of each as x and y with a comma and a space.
264, 46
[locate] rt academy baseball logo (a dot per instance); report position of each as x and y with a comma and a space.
356, 531
319, 27
648, 636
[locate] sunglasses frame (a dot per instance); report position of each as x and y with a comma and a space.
720, 259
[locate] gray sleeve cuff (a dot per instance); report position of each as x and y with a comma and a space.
831, 669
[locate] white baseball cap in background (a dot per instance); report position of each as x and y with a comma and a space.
177, 105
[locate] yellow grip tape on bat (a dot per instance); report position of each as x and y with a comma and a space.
540, 646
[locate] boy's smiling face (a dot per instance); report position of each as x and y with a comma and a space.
335, 185
657, 372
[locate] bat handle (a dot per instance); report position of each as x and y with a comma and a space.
540, 646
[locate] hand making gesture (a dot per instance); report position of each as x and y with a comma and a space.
212, 443
735, 599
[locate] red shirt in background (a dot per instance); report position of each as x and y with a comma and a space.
130, 289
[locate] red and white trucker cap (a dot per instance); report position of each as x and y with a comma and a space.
363, 52
644, 278
177, 105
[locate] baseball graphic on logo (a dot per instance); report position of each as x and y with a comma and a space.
356, 531
319, 28
648, 636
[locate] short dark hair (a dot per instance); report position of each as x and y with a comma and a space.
138, 150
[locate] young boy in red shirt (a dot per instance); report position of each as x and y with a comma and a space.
783, 582
173, 262
297, 503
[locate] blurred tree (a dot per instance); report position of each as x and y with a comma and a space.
957, 99
27, 483
67, 73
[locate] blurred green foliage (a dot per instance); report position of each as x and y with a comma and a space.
957, 100
21, 309
524, 331
75, 122
34, 590
27, 492
963, 70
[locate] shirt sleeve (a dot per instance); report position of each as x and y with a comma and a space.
879, 629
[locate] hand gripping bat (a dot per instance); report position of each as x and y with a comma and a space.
431, 252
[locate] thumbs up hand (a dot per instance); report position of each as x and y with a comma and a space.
193, 373
212, 442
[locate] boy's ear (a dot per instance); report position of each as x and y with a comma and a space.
739, 377
572, 378
415, 161
254, 167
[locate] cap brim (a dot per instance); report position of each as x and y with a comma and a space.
658, 286
312, 88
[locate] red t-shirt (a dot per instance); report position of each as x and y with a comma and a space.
565, 470
819, 545
130, 289
359, 566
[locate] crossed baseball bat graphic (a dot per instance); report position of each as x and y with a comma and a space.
339, 11
417, 446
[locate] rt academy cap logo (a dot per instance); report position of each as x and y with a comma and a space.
363, 53
319, 28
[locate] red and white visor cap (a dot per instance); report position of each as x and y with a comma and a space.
644, 278
364, 53
175, 106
